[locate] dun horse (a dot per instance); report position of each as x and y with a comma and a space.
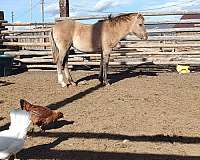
100, 37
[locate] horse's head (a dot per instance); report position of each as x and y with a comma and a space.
138, 27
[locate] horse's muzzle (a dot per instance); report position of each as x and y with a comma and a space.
145, 37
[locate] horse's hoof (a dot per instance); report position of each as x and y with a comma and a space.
100, 79
105, 83
83, 83
73, 84
63, 84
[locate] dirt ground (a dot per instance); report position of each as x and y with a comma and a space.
140, 116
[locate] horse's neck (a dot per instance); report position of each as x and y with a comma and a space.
122, 29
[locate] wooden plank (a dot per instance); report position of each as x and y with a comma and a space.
114, 53
27, 37
117, 53
129, 46
137, 63
6, 49
156, 58
164, 38
147, 22
27, 52
26, 24
2, 28
186, 21
169, 30
3, 21
128, 38
47, 60
154, 53
39, 67
161, 45
34, 60
105, 16
27, 44
127, 61
26, 31
168, 13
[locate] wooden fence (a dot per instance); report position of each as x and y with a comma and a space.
165, 45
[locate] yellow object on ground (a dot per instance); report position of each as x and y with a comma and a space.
182, 69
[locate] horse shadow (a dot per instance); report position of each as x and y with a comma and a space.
120, 75
80, 95
5, 83
160, 138
48, 151
114, 78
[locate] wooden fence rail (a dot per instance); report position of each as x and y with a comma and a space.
190, 21
26, 31
144, 14
164, 46
128, 38
45, 44
130, 46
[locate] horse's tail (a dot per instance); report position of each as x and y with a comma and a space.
55, 49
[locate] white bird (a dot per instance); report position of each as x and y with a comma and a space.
12, 140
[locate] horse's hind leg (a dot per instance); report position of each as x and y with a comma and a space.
67, 73
62, 53
66, 70
60, 75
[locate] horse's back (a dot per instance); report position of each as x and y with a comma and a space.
84, 37
87, 37
63, 30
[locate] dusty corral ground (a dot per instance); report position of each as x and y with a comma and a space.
138, 117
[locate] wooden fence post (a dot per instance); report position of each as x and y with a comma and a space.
1, 15
1, 27
64, 8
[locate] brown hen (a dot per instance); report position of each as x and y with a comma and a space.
40, 115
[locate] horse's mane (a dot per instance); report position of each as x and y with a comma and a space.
123, 17
120, 18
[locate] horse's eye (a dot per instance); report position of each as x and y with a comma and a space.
140, 25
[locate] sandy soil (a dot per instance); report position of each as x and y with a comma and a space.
140, 116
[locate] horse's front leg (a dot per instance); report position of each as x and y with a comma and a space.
60, 76
106, 57
101, 69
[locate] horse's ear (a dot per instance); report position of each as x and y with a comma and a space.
140, 16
